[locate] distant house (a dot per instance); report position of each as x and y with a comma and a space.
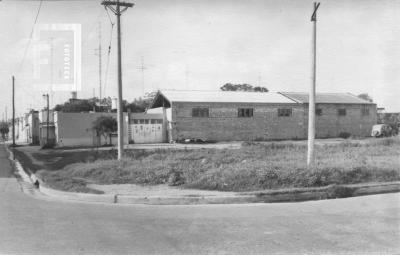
46, 128
238, 116
33, 127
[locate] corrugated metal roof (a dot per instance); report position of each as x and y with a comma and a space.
328, 98
224, 96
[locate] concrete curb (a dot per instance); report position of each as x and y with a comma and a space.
20, 170
268, 196
83, 197
292, 195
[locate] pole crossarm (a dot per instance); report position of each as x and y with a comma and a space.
108, 3
314, 15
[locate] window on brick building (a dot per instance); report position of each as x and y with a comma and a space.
318, 112
285, 112
245, 112
342, 112
364, 110
200, 112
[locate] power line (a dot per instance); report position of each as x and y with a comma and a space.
92, 27
49, 0
109, 52
30, 38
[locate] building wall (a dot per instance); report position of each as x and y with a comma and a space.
33, 121
43, 135
330, 124
75, 129
223, 123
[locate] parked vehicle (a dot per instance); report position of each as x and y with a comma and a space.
382, 130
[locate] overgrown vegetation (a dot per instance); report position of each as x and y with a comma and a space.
255, 166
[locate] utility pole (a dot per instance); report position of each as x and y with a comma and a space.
48, 117
311, 101
13, 111
117, 11
51, 72
100, 53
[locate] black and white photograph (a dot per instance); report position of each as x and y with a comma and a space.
199, 127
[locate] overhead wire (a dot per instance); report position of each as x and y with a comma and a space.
109, 51
30, 37
21, 64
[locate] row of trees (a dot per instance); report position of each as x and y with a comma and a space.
242, 87
105, 104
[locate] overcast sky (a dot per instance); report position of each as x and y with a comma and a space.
203, 44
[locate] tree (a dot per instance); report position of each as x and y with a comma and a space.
105, 126
140, 104
4, 129
366, 97
260, 89
79, 105
242, 87
85, 105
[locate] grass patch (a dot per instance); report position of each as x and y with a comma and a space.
256, 166
34, 160
51, 160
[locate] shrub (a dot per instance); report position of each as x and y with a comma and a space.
344, 135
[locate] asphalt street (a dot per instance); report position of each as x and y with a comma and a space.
30, 224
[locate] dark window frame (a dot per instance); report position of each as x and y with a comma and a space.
342, 112
245, 112
285, 112
200, 112
364, 110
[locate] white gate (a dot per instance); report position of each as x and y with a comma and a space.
146, 131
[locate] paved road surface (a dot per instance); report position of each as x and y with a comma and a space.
28, 225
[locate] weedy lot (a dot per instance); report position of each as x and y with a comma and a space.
255, 166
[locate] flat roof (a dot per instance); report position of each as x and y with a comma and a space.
326, 98
204, 96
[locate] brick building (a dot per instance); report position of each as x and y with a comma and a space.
339, 112
238, 116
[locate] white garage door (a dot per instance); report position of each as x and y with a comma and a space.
146, 131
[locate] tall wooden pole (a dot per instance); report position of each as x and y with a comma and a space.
117, 11
13, 111
100, 62
311, 100
48, 120
119, 107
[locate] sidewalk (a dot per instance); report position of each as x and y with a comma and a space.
155, 146
165, 195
